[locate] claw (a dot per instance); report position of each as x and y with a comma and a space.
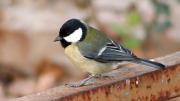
80, 84
74, 85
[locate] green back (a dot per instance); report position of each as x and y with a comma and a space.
93, 42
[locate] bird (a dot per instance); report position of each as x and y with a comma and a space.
92, 51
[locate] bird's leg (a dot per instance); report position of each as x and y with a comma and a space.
81, 83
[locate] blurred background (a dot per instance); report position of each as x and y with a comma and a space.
29, 59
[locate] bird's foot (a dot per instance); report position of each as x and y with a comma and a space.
75, 84
81, 83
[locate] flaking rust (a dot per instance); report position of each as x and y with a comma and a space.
155, 86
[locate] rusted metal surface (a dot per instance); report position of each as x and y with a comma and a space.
131, 83
175, 99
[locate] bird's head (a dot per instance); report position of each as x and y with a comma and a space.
72, 31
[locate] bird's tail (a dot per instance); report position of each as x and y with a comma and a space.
149, 63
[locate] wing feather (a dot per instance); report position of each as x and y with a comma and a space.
114, 52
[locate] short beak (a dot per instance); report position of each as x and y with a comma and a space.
57, 39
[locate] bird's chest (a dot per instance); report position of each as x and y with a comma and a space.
83, 63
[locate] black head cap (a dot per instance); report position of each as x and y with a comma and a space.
68, 28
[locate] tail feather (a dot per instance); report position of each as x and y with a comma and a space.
149, 63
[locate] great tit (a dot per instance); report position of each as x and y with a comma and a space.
92, 51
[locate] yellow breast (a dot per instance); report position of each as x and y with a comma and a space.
85, 64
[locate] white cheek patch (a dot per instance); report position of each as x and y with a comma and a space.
75, 36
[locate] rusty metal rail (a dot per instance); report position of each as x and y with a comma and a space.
131, 83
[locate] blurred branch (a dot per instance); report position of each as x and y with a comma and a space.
9, 73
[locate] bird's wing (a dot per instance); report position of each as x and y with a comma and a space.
113, 52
